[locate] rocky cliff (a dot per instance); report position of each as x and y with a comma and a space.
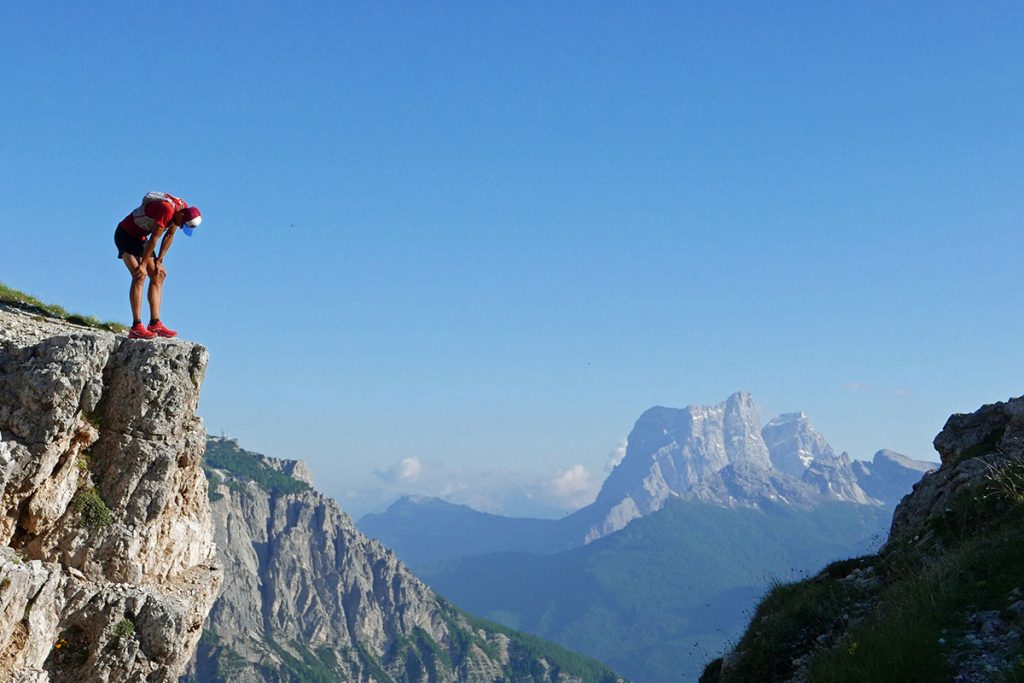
943, 599
108, 567
307, 597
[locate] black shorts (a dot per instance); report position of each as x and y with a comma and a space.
128, 244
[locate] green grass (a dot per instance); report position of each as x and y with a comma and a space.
901, 639
27, 302
783, 622
124, 629
225, 455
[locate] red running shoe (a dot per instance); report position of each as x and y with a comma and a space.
158, 328
140, 332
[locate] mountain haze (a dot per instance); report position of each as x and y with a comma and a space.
662, 568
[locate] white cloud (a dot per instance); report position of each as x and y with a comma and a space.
406, 471
900, 392
497, 490
572, 487
855, 386
571, 481
616, 455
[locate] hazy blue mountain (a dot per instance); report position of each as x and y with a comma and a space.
890, 475
430, 529
659, 598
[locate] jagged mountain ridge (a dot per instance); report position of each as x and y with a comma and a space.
108, 569
723, 456
306, 594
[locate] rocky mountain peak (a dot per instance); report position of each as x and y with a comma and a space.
890, 475
721, 455
794, 444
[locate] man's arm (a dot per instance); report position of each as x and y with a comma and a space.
148, 252
166, 243
151, 243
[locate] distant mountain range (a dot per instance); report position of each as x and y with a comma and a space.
705, 508
712, 454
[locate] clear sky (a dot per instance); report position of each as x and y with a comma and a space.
482, 237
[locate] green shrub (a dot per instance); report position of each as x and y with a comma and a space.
124, 629
93, 510
1006, 482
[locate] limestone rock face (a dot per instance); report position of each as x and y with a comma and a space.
108, 570
715, 454
794, 444
305, 592
721, 455
674, 451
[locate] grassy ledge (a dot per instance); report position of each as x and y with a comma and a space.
30, 304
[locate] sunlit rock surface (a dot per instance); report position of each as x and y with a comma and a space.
108, 570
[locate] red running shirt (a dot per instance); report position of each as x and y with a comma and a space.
157, 215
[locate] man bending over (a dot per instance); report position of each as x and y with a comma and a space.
136, 236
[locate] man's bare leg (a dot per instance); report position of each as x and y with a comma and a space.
135, 291
157, 274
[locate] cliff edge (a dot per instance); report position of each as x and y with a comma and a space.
107, 569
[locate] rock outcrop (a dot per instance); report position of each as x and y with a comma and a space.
971, 447
306, 594
942, 600
108, 570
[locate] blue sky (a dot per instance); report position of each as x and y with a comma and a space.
482, 238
